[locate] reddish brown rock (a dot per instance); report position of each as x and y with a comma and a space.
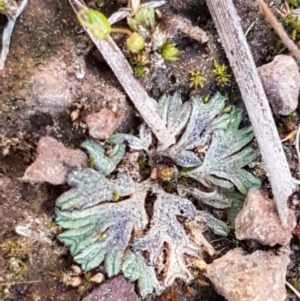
281, 81
258, 220
115, 289
240, 276
101, 125
53, 162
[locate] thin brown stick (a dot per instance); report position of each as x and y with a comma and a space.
257, 105
277, 26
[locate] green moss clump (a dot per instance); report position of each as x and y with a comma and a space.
2, 6
293, 22
197, 79
169, 52
220, 72
296, 283
139, 70
293, 2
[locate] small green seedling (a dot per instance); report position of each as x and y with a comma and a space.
100, 28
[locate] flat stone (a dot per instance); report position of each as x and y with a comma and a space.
49, 92
55, 85
101, 125
115, 289
258, 220
281, 81
53, 162
260, 276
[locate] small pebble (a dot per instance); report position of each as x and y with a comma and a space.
72, 281
101, 125
76, 269
114, 289
259, 220
98, 278
281, 81
53, 162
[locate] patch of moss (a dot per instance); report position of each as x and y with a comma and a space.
197, 79
169, 52
220, 72
2, 6
296, 283
293, 2
15, 248
139, 71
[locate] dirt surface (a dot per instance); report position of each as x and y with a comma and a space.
47, 36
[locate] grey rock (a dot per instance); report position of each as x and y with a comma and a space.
53, 162
48, 91
258, 220
55, 84
115, 289
281, 81
260, 276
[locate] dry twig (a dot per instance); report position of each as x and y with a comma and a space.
277, 26
123, 71
7, 32
256, 102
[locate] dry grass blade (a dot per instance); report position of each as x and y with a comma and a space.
124, 73
239, 55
